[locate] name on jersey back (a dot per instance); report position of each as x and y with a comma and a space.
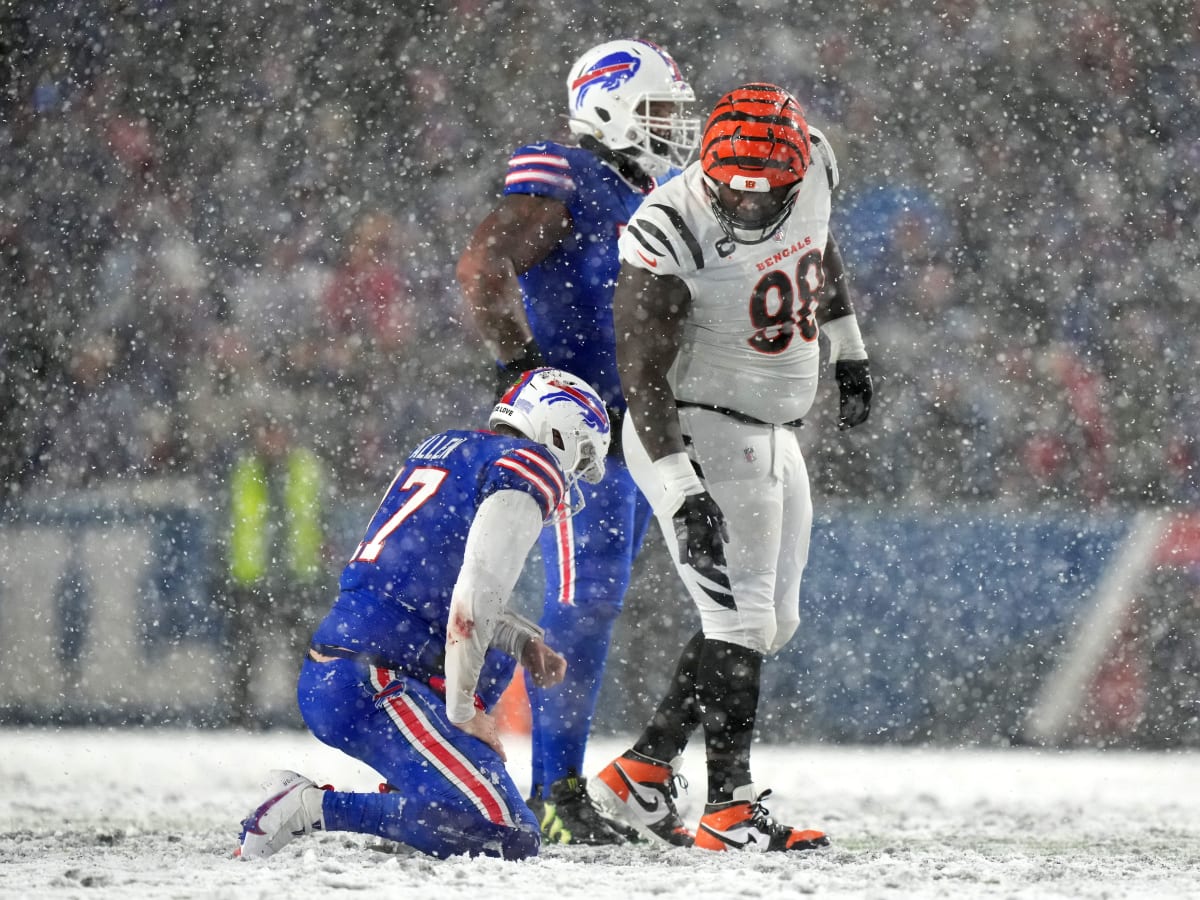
438, 447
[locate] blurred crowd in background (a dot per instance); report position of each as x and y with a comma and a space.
221, 222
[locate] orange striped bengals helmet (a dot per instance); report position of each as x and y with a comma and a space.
756, 139
754, 154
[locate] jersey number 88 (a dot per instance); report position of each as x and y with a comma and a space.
775, 324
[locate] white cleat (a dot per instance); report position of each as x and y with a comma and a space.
744, 824
292, 808
641, 792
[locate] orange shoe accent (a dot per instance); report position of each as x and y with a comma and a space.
614, 782
747, 827
721, 820
637, 770
640, 792
512, 712
810, 837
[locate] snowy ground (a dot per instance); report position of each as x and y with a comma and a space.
154, 814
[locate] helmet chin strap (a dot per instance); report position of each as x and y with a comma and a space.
725, 246
626, 165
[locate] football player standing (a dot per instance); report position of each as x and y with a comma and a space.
728, 275
538, 275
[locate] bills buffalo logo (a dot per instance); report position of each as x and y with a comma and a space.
593, 414
609, 73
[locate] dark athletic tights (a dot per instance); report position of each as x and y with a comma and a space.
715, 684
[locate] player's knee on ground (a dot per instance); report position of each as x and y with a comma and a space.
521, 843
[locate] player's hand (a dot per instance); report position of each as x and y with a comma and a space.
546, 667
702, 534
701, 531
508, 374
483, 727
854, 383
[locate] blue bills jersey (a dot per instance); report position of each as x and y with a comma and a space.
395, 592
568, 295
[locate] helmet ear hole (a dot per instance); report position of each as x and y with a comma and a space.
602, 114
557, 438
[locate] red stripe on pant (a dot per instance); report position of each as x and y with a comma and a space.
434, 746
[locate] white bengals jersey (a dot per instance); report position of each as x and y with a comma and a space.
749, 343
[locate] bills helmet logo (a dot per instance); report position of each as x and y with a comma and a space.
595, 416
608, 73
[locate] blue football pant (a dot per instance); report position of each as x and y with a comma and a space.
451, 793
587, 560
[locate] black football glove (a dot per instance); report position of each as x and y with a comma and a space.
508, 374
854, 383
702, 534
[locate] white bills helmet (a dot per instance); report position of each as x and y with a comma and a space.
631, 97
561, 411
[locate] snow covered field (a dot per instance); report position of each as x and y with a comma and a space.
154, 814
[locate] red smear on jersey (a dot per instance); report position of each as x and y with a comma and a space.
462, 627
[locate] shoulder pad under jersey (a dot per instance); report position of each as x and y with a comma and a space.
532, 469
658, 239
823, 152
539, 169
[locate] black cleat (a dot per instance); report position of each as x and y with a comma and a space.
568, 816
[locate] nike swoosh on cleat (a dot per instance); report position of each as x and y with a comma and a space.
732, 842
652, 263
635, 790
251, 824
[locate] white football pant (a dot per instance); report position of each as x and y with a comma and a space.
757, 475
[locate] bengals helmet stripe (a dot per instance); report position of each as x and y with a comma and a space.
756, 139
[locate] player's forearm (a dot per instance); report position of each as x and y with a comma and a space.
495, 305
504, 529
653, 415
467, 637
835, 302
506, 335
